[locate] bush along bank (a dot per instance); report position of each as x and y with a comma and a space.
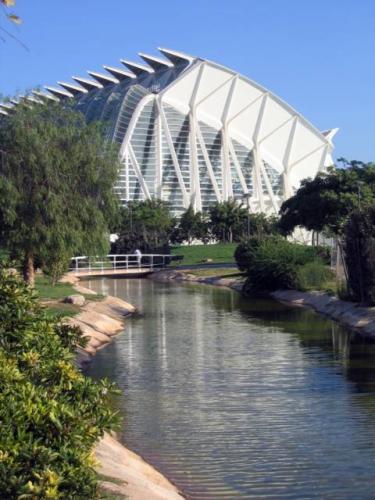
273, 263
51, 415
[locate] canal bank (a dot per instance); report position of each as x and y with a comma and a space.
124, 473
349, 314
232, 398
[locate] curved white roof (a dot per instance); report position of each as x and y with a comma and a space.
194, 131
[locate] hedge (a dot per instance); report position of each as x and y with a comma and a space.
51, 415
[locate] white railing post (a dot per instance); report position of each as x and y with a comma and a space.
119, 261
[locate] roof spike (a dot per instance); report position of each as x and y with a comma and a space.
155, 62
330, 134
34, 100
176, 57
47, 97
73, 89
88, 84
63, 94
102, 78
137, 69
119, 73
7, 106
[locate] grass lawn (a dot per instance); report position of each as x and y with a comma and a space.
61, 310
53, 292
46, 291
197, 254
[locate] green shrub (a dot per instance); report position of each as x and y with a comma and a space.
50, 414
272, 263
323, 253
313, 275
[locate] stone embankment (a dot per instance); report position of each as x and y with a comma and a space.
128, 474
185, 276
347, 313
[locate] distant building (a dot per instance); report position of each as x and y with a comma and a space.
193, 132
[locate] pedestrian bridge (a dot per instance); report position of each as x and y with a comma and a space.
118, 265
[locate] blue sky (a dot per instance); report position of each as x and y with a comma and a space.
317, 55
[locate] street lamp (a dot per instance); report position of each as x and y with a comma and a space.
359, 185
247, 196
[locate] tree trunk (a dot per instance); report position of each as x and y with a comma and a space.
28, 270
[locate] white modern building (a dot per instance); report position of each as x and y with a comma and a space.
191, 131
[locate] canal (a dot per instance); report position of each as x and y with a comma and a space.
235, 398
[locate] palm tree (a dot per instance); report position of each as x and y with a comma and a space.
227, 220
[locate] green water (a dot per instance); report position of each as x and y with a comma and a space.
234, 398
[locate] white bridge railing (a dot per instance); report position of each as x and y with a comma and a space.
119, 261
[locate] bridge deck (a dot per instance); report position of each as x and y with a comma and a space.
97, 273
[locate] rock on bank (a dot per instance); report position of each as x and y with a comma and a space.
134, 477
165, 276
347, 313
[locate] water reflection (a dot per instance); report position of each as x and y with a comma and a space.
243, 399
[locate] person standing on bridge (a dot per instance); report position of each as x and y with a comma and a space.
138, 254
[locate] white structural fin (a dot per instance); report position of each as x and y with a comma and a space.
73, 89
7, 106
43, 96
63, 94
34, 100
119, 73
155, 62
330, 133
103, 79
176, 57
137, 69
87, 84
3, 112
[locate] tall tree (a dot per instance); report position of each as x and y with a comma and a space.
56, 186
327, 201
359, 253
144, 225
227, 220
192, 226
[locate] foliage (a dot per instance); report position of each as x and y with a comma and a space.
191, 226
262, 224
229, 221
146, 225
272, 263
10, 15
313, 275
196, 254
56, 187
327, 201
50, 414
359, 252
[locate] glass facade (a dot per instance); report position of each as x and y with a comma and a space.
192, 132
